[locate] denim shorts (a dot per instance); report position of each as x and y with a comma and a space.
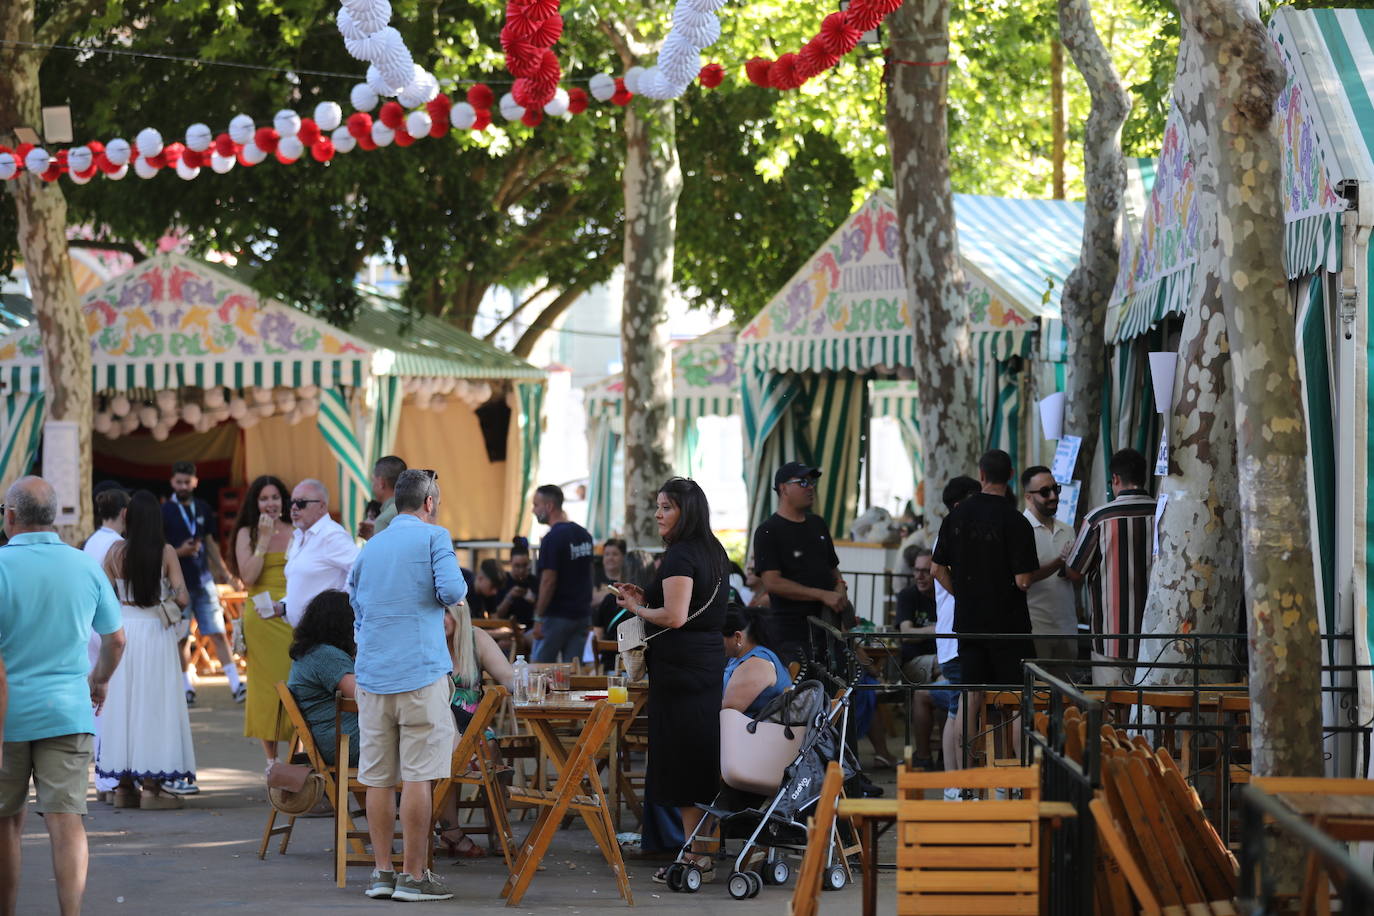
948, 700
206, 608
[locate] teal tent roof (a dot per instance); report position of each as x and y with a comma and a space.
422, 345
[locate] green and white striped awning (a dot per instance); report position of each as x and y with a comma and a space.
1322, 116
424, 346
705, 380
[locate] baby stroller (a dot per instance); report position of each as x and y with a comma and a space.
772, 767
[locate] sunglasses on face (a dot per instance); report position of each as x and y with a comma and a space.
1047, 492
302, 503
805, 483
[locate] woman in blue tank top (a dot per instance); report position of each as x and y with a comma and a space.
753, 673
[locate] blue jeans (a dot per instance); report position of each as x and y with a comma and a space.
205, 607
562, 635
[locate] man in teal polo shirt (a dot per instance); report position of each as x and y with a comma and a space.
51, 597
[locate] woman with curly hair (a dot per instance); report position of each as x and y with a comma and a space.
322, 664
262, 533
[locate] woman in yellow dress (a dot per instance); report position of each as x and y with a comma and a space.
261, 535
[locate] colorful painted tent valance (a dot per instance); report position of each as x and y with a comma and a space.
1157, 269
705, 380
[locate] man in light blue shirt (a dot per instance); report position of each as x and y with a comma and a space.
399, 586
51, 597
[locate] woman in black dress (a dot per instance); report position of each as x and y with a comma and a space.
685, 603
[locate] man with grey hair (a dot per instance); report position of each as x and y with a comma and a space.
51, 597
404, 579
321, 551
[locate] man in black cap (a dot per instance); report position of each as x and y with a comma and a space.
795, 557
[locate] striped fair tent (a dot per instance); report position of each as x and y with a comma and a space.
705, 384
845, 315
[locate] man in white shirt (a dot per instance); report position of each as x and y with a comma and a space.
321, 551
1050, 598
111, 502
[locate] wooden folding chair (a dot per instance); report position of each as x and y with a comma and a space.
818, 840
974, 857
473, 766
580, 773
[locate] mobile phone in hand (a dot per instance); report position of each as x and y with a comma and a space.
615, 591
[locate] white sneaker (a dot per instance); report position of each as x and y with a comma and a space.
953, 795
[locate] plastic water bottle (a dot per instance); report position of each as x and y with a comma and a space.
522, 679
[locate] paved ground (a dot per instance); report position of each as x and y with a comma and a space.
203, 858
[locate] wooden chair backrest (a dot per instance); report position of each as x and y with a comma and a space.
1210, 857
473, 732
303, 733
977, 857
808, 889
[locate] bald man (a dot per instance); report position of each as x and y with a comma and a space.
321, 551
51, 597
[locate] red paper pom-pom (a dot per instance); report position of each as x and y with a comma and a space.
367, 143
783, 73
481, 97
360, 125
837, 36
266, 139
322, 150
282, 159
102, 162
403, 138
577, 100
814, 58
532, 117
483, 119
60, 160
546, 32
393, 115
756, 68
309, 132
887, 6
242, 161
96, 147
863, 15
193, 159
21, 154
88, 174
224, 145
622, 95
531, 10
159, 161
53, 173
522, 60
711, 75
547, 75
172, 153
439, 106
439, 127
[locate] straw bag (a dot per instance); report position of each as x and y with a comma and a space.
167, 608
294, 788
631, 641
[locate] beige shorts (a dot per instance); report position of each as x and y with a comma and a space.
59, 767
922, 669
405, 737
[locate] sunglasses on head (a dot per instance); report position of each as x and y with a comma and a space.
805, 483
1047, 492
432, 475
302, 503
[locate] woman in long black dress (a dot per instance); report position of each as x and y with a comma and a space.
685, 604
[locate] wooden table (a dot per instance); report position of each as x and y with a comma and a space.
572, 706
867, 813
1341, 808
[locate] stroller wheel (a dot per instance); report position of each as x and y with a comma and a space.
834, 878
739, 885
674, 876
755, 883
691, 879
776, 872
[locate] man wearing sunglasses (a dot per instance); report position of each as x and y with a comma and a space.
1053, 613
321, 551
795, 557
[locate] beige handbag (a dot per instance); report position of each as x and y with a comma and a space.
631, 642
169, 610
294, 788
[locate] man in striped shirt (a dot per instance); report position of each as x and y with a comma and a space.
1113, 552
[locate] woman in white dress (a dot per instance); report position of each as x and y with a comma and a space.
145, 736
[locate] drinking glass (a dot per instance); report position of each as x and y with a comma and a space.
617, 691
560, 677
539, 682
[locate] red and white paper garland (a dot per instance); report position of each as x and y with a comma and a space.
531, 29
391, 70
839, 34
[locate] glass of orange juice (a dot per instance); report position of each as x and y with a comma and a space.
616, 690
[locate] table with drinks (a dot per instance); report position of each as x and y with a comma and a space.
547, 698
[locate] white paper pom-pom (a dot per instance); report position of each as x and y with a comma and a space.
77, 178
142, 169
602, 87
377, 82
149, 142
37, 160
652, 85
221, 164
166, 400
558, 105
147, 415
214, 397
328, 115
265, 410
160, 432
700, 28
117, 151
632, 76
8, 166
120, 405
343, 140
118, 174
362, 98
310, 406
422, 88
369, 15
418, 123
381, 134
79, 158
260, 395
185, 172
240, 130
510, 109
129, 423
102, 422
348, 26
364, 48
247, 421
287, 122
253, 154
392, 56
679, 61
462, 116
238, 408
290, 147
191, 413
704, 6
198, 137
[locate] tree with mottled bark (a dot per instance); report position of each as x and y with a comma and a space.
1195, 581
41, 209
918, 136
1241, 78
652, 180
1088, 289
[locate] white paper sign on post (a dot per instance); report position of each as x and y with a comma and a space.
1159, 517
1065, 457
1052, 415
1068, 502
62, 468
1162, 367
1162, 457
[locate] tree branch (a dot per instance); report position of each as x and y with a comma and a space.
128, 248
539, 179
552, 312
627, 42
500, 199
516, 311
63, 19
